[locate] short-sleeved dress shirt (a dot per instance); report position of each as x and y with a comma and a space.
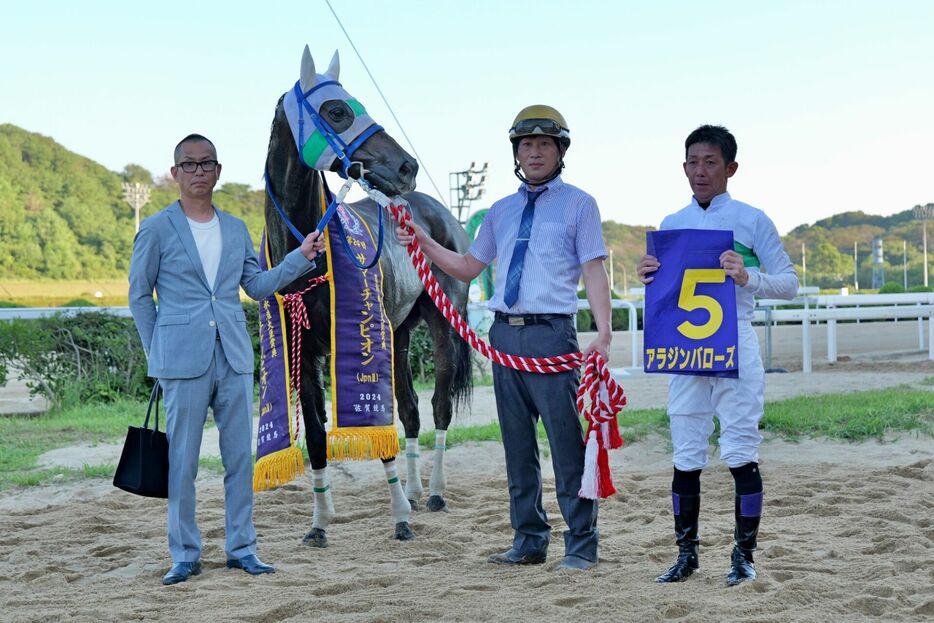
566, 233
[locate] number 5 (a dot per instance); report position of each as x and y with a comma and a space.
689, 301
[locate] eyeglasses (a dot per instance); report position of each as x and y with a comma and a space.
537, 126
190, 167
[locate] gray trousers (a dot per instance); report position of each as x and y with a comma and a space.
523, 397
230, 395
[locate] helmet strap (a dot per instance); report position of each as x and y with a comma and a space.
554, 174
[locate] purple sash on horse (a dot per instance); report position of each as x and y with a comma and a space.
362, 382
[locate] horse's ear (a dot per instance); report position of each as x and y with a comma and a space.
308, 76
334, 69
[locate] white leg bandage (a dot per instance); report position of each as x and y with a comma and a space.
413, 481
324, 506
401, 509
438, 482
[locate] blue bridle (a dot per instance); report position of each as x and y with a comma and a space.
343, 151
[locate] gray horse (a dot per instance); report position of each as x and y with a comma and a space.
391, 170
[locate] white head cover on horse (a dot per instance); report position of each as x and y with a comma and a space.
310, 132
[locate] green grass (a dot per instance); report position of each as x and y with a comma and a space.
856, 416
466, 434
928, 380
53, 293
23, 438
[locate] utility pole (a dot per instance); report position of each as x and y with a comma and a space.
905, 264
804, 265
924, 213
612, 283
855, 267
465, 188
137, 195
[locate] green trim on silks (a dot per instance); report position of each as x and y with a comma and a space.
749, 258
313, 148
412, 455
393, 480
321, 489
356, 107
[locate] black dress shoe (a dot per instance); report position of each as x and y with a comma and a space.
181, 571
251, 564
512, 557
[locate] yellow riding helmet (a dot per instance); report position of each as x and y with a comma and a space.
540, 119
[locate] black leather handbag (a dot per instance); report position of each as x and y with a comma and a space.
144, 463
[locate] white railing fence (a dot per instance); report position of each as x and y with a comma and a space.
816, 308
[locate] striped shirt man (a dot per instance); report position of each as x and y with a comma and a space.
566, 233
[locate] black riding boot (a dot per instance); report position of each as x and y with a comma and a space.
687, 510
747, 528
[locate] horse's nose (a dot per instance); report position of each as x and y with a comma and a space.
407, 172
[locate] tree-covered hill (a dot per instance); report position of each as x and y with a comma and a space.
62, 216
834, 247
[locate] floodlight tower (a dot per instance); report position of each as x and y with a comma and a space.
924, 213
466, 187
137, 195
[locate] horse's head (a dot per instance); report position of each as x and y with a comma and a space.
333, 132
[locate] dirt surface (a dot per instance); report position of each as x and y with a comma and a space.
847, 534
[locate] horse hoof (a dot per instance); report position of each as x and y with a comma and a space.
316, 538
404, 532
436, 503
413, 504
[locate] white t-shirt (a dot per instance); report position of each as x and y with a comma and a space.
208, 240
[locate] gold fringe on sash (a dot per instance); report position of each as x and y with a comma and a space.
359, 443
278, 468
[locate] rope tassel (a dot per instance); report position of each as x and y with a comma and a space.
606, 400
590, 479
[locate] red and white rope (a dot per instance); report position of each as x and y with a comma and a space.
298, 315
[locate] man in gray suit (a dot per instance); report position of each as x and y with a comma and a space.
196, 258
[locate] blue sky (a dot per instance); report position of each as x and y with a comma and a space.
832, 103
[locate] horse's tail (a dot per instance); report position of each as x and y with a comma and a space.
462, 381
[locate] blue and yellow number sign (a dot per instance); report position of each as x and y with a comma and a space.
690, 307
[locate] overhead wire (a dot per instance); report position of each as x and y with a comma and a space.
386, 102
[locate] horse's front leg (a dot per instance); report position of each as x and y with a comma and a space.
316, 440
407, 401
401, 509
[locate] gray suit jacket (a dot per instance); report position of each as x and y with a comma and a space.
179, 335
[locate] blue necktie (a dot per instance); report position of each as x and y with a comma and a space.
514, 276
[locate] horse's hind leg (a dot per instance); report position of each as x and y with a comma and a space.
442, 403
401, 509
316, 441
